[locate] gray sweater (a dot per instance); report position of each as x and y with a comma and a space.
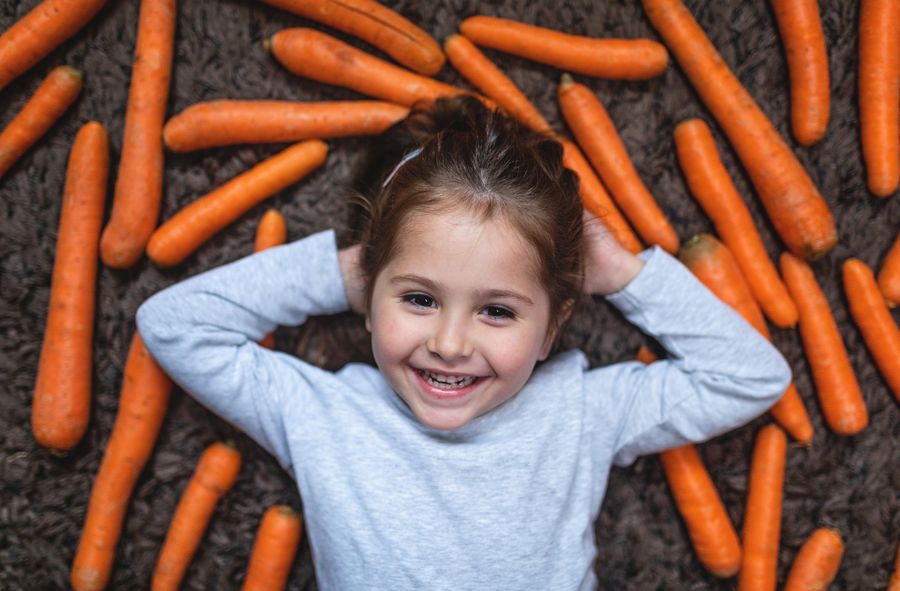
506, 502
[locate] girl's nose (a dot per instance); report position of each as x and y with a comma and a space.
450, 340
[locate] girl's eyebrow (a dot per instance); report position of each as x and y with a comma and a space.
487, 294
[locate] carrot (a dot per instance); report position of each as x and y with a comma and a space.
712, 534
315, 55
224, 123
596, 134
596, 199
489, 79
274, 549
39, 32
817, 562
712, 187
762, 517
195, 224
135, 210
377, 25
871, 315
717, 269
624, 59
894, 583
645, 355
62, 390
889, 275
48, 103
142, 407
879, 93
804, 45
793, 203
216, 472
839, 393
270, 232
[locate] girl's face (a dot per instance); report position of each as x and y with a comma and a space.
458, 317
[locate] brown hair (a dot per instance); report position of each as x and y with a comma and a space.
482, 160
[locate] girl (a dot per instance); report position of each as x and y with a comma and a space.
467, 459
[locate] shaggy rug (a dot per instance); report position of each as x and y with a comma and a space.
847, 482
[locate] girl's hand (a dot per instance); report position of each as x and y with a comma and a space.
354, 284
608, 267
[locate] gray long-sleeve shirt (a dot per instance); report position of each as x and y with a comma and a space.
506, 502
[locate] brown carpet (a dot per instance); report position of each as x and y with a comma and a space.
850, 483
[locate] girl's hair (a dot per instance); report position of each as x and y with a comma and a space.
486, 162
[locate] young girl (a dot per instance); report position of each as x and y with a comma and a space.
467, 459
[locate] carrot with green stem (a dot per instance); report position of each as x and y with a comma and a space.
375, 24
879, 331
274, 549
139, 183
317, 56
889, 275
879, 93
596, 199
804, 44
836, 385
227, 122
183, 233
797, 210
62, 391
713, 264
623, 59
41, 31
475, 67
48, 103
596, 133
271, 231
142, 407
817, 562
711, 185
762, 517
215, 474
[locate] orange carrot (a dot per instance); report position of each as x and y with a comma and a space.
596, 199
315, 55
489, 79
41, 111
270, 232
793, 203
135, 210
717, 269
142, 407
762, 517
894, 583
871, 315
62, 390
39, 32
225, 123
645, 355
889, 275
804, 45
596, 134
377, 25
216, 472
712, 187
817, 562
195, 224
712, 534
625, 59
836, 385
879, 93
274, 549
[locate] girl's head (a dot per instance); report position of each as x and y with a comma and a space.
473, 260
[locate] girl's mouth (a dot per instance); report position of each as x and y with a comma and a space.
446, 386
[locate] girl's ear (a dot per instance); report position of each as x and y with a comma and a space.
553, 330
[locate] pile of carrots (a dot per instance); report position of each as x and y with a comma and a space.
736, 267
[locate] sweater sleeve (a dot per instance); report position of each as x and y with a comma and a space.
720, 372
204, 331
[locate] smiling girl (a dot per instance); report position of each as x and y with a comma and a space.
469, 458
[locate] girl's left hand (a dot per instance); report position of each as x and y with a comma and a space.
608, 267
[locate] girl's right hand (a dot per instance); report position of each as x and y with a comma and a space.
354, 283
608, 267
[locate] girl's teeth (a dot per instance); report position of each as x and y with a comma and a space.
446, 382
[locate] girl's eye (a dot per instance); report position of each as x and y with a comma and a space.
420, 300
499, 312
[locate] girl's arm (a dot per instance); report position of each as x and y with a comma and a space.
204, 332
